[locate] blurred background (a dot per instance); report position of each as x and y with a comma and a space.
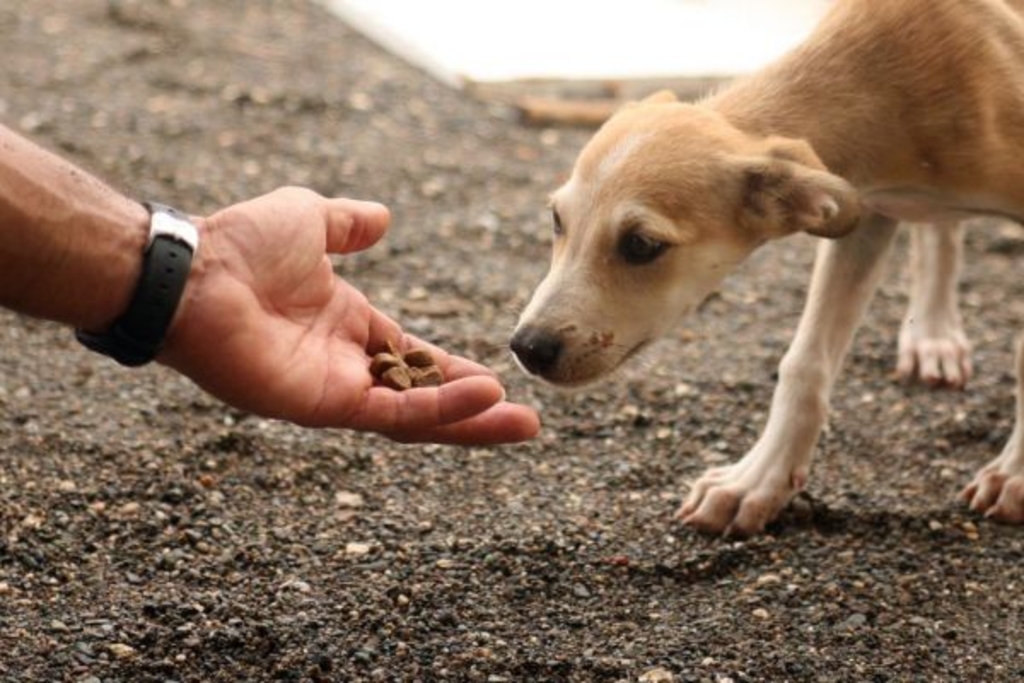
492, 43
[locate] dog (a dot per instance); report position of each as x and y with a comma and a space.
891, 110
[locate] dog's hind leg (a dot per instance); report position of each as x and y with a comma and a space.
998, 488
741, 498
932, 345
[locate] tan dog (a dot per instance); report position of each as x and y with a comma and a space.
892, 110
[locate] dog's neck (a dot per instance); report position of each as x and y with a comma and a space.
884, 100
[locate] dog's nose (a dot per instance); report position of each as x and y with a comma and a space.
537, 349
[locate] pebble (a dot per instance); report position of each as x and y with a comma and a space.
4, 588
296, 585
580, 591
130, 508
348, 499
357, 549
657, 675
121, 651
853, 621
760, 613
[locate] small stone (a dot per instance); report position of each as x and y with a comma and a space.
58, 625
357, 549
853, 621
760, 613
348, 499
121, 651
5, 588
657, 675
580, 591
130, 508
296, 585
935, 525
768, 579
445, 563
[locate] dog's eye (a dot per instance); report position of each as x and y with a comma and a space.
638, 249
556, 221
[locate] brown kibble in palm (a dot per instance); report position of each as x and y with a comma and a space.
418, 358
401, 371
426, 376
383, 362
397, 378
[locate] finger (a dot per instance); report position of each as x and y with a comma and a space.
503, 423
354, 225
418, 410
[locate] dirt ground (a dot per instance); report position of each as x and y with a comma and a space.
149, 533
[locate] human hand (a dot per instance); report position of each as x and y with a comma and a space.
266, 325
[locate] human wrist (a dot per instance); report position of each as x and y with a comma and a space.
138, 334
117, 270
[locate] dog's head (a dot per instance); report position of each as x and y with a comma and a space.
663, 202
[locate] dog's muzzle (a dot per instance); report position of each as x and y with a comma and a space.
537, 349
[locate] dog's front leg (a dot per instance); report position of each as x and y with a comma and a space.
743, 497
932, 345
998, 489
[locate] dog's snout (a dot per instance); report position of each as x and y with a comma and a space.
537, 349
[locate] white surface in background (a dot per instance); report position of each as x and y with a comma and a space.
506, 40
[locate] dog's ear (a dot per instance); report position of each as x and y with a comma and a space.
660, 97
657, 97
779, 197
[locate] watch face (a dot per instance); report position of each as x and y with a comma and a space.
168, 222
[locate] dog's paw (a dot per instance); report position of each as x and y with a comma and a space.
740, 499
940, 357
997, 491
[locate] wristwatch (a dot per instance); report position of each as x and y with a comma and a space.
137, 336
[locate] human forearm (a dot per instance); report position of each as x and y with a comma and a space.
70, 247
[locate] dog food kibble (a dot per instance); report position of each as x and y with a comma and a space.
401, 371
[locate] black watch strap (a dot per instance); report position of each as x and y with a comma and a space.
137, 336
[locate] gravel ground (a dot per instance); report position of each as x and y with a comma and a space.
149, 533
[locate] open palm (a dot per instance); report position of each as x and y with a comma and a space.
266, 325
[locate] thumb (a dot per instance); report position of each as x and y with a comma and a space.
354, 225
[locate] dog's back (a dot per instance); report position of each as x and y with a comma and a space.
948, 75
